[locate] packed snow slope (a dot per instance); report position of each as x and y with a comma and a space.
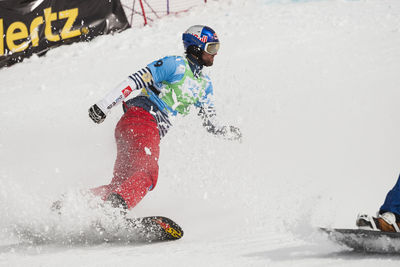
314, 87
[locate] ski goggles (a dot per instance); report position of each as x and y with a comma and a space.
211, 48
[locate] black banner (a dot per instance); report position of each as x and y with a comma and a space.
35, 26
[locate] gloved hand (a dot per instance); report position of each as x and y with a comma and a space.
232, 133
96, 114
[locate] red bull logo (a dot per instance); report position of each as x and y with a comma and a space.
167, 228
202, 39
215, 36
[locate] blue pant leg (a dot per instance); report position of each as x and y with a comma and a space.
392, 201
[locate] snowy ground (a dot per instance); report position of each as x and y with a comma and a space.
313, 86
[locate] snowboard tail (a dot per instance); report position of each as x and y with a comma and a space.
365, 240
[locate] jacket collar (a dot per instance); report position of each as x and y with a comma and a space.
194, 65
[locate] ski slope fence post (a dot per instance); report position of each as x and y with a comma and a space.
146, 12
143, 12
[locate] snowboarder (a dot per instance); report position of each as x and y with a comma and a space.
164, 88
388, 216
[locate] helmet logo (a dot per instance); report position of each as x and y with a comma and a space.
202, 39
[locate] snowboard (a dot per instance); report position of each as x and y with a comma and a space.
365, 240
133, 230
155, 228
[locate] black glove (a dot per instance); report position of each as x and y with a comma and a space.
232, 133
96, 114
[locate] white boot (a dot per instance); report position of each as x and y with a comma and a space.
390, 219
366, 222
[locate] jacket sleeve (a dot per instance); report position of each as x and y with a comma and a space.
135, 82
209, 117
166, 69
207, 111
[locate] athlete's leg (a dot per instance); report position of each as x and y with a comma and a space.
136, 166
392, 201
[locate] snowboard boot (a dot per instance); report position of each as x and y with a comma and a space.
118, 202
115, 201
385, 222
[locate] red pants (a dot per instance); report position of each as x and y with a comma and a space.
136, 166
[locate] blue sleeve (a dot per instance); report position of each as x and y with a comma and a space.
208, 98
170, 69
